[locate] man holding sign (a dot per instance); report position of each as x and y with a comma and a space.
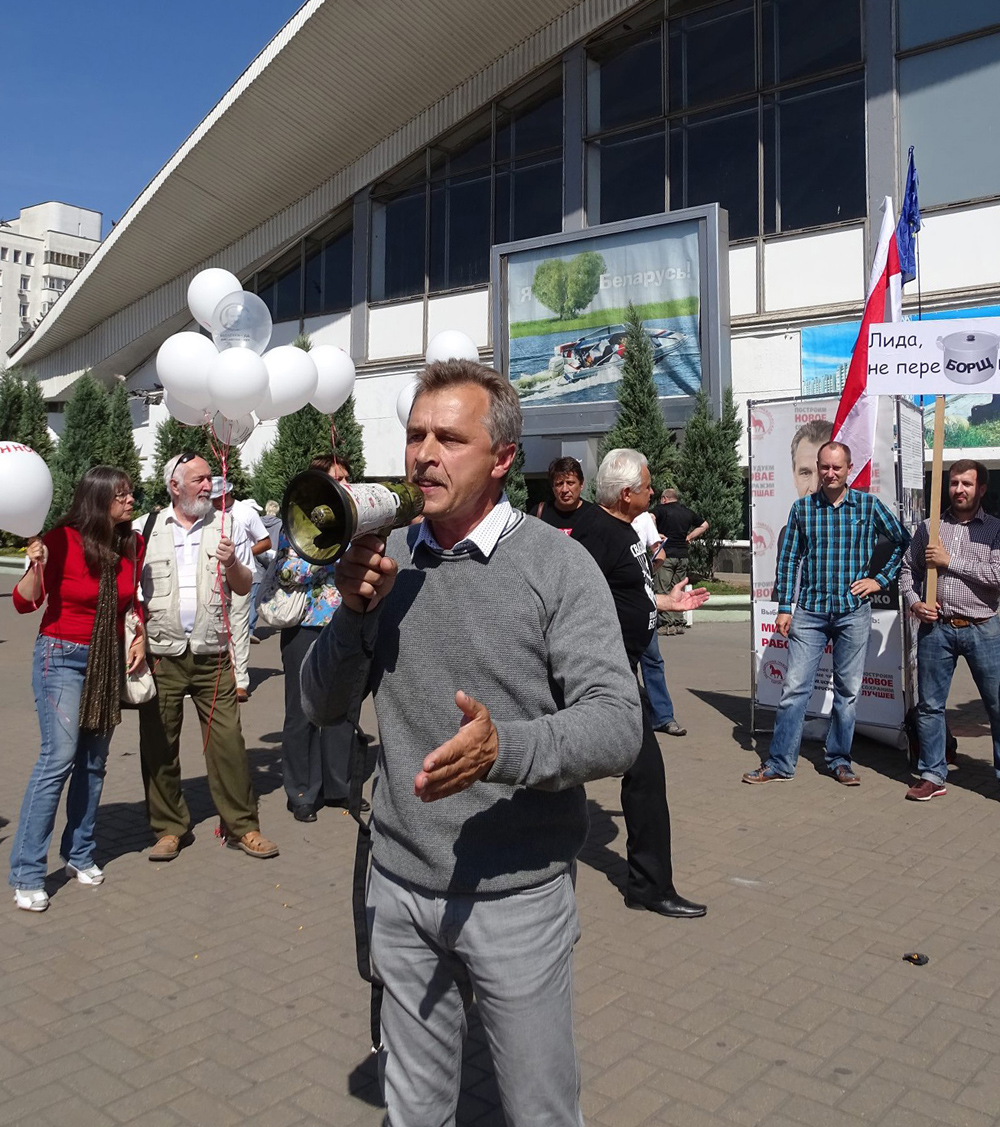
960, 622
832, 534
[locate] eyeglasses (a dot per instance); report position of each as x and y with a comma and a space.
124, 496
187, 456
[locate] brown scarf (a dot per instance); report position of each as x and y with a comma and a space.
100, 701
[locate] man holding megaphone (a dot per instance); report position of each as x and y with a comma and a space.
500, 690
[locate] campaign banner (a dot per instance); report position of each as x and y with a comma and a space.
785, 437
934, 358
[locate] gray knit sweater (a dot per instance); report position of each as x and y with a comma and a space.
532, 633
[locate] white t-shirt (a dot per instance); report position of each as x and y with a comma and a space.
187, 541
649, 534
248, 528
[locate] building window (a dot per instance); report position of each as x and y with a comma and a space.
3, 254
25, 282
947, 96
23, 309
313, 277
496, 178
73, 261
756, 104
29, 258
17, 256
929, 21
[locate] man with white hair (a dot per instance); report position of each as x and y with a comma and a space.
189, 576
624, 490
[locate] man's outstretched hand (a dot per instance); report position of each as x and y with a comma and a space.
460, 761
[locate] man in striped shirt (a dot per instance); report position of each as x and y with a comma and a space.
832, 534
962, 622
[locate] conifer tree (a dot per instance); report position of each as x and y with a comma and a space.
350, 439
709, 477
172, 438
80, 443
117, 447
515, 487
33, 426
640, 425
301, 436
11, 399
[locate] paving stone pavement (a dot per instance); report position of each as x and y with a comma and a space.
219, 990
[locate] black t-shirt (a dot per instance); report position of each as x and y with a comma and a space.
675, 521
623, 559
567, 522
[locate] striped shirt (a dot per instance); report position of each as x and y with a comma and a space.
969, 586
834, 544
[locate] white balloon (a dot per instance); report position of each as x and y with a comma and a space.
335, 382
232, 432
404, 402
292, 380
241, 320
237, 381
207, 289
25, 489
184, 412
182, 365
452, 345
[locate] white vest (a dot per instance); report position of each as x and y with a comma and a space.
160, 591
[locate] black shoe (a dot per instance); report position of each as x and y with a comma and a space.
303, 812
674, 906
345, 803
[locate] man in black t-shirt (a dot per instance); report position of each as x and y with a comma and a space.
679, 525
624, 491
567, 510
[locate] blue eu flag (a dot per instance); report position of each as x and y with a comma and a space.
909, 224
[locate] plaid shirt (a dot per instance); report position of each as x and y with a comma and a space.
834, 544
969, 586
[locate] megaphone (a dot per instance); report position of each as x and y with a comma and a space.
322, 516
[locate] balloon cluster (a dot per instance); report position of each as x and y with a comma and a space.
448, 345
230, 382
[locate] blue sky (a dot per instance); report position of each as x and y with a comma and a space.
97, 95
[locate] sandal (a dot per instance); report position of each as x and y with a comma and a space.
253, 844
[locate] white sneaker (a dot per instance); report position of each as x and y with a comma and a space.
91, 875
31, 899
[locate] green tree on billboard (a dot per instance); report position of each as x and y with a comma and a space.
567, 288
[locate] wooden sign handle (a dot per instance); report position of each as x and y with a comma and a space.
934, 529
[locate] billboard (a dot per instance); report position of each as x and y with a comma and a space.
785, 436
560, 305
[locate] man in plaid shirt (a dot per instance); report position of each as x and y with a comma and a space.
962, 622
832, 533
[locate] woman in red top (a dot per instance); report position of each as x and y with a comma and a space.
85, 571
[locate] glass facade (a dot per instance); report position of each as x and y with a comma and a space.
947, 95
496, 178
313, 277
723, 103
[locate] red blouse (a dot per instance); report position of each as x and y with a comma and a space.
70, 589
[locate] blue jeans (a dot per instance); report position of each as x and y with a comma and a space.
651, 663
939, 646
254, 588
807, 639
57, 675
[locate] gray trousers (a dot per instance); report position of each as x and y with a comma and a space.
514, 952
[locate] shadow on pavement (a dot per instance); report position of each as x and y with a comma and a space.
734, 707
595, 852
122, 826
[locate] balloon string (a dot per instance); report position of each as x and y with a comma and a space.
221, 451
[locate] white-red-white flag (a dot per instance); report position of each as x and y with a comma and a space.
855, 421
